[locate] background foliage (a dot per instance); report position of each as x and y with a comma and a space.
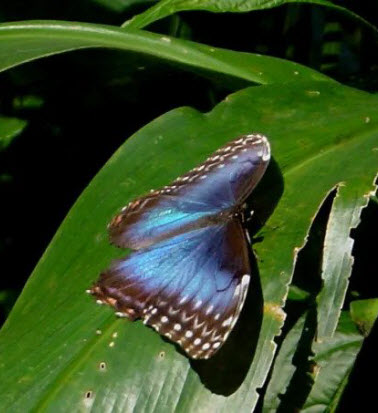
63, 117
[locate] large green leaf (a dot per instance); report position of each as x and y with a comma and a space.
60, 351
22, 42
166, 8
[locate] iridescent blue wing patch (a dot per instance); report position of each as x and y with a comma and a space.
189, 273
221, 182
189, 288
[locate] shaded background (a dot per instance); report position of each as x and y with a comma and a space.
81, 106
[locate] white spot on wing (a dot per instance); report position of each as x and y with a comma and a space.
183, 299
209, 309
227, 322
121, 315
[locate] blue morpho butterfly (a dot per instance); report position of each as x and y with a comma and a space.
189, 274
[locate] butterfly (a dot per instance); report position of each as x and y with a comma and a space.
189, 272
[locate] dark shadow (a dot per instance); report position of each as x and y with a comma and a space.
363, 280
359, 381
307, 274
307, 277
226, 371
363, 284
301, 382
264, 198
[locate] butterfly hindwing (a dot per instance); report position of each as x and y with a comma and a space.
225, 179
190, 288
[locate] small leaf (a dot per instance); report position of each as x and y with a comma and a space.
297, 294
364, 313
28, 102
10, 128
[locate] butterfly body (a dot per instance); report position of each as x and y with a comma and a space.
189, 273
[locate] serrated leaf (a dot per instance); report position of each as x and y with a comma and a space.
337, 255
166, 8
49, 345
22, 42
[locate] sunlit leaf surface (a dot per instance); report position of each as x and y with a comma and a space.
61, 349
22, 42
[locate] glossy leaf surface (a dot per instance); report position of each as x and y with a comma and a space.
63, 350
22, 42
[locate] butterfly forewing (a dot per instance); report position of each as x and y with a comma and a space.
189, 288
224, 180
